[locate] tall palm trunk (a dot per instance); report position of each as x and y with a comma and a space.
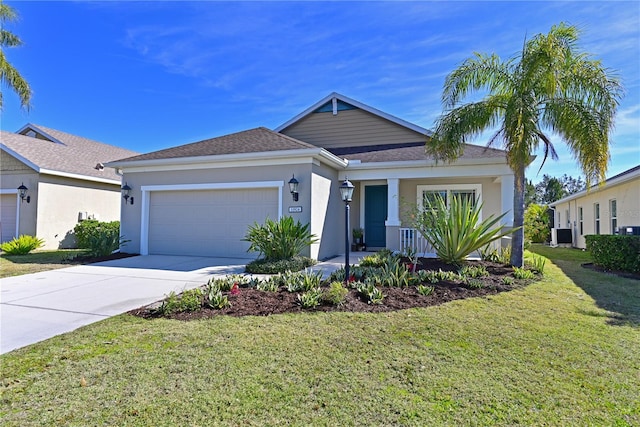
517, 242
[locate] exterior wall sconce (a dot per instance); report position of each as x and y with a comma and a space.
293, 188
22, 192
346, 194
126, 193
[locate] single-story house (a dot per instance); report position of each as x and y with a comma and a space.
612, 207
200, 198
63, 181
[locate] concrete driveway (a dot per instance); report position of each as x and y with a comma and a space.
38, 306
34, 307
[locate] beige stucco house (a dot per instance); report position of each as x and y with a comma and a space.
610, 208
65, 182
199, 198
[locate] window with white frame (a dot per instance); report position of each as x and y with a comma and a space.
581, 220
613, 215
596, 215
427, 194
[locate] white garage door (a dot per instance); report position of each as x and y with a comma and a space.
207, 222
8, 216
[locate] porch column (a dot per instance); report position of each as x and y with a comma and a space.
507, 187
393, 214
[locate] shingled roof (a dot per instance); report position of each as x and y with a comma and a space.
53, 151
256, 140
407, 152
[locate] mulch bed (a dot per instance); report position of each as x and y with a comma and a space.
252, 302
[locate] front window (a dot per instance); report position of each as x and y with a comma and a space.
613, 212
428, 194
581, 219
596, 215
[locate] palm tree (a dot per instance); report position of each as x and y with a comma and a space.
9, 76
550, 86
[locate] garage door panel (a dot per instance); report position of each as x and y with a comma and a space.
207, 222
8, 209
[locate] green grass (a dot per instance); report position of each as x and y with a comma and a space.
16, 265
543, 355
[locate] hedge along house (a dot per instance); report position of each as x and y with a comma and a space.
612, 207
63, 180
200, 198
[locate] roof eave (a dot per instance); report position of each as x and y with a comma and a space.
320, 153
355, 164
599, 187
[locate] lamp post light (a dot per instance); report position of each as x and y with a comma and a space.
346, 193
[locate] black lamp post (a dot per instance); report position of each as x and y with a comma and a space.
346, 192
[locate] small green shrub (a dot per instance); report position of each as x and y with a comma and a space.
270, 285
425, 290
379, 259
101, 238
615, 252
536, 224
507, 280
311, 298
335, 294
189, 300
264, 266
473, 283
428, 276
523, 273
217, 301
473, 271
21, 245
395, 275
372, 294
536, 264
279, 240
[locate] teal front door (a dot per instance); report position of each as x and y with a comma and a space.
375, 215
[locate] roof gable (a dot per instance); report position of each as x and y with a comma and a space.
337, 101
55, 152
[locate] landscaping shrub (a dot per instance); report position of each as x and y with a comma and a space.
456, 231
278, 240
613, 252
536, 224
264, 266
189, 300
21, 245
101, 238
335, 294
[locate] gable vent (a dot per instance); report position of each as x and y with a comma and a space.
31, 133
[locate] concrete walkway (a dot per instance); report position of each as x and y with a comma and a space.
38, 306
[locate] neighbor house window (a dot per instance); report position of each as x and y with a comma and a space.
613, 214
427, 194
568, 218
596, 215
581, 219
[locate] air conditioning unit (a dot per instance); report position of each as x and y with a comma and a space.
561, 236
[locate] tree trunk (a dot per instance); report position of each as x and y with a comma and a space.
517, 242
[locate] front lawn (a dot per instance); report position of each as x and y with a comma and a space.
547, 354
16, 265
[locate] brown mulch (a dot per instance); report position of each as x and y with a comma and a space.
252, 302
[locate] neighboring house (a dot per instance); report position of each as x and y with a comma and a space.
199, 198
609, 208
65, 182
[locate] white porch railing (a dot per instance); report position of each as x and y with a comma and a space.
410, 238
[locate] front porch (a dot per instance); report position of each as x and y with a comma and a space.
382, 208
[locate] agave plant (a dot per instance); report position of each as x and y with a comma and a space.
455, 231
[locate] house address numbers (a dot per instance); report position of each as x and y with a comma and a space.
295, 209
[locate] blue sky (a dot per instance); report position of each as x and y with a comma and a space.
150, 75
